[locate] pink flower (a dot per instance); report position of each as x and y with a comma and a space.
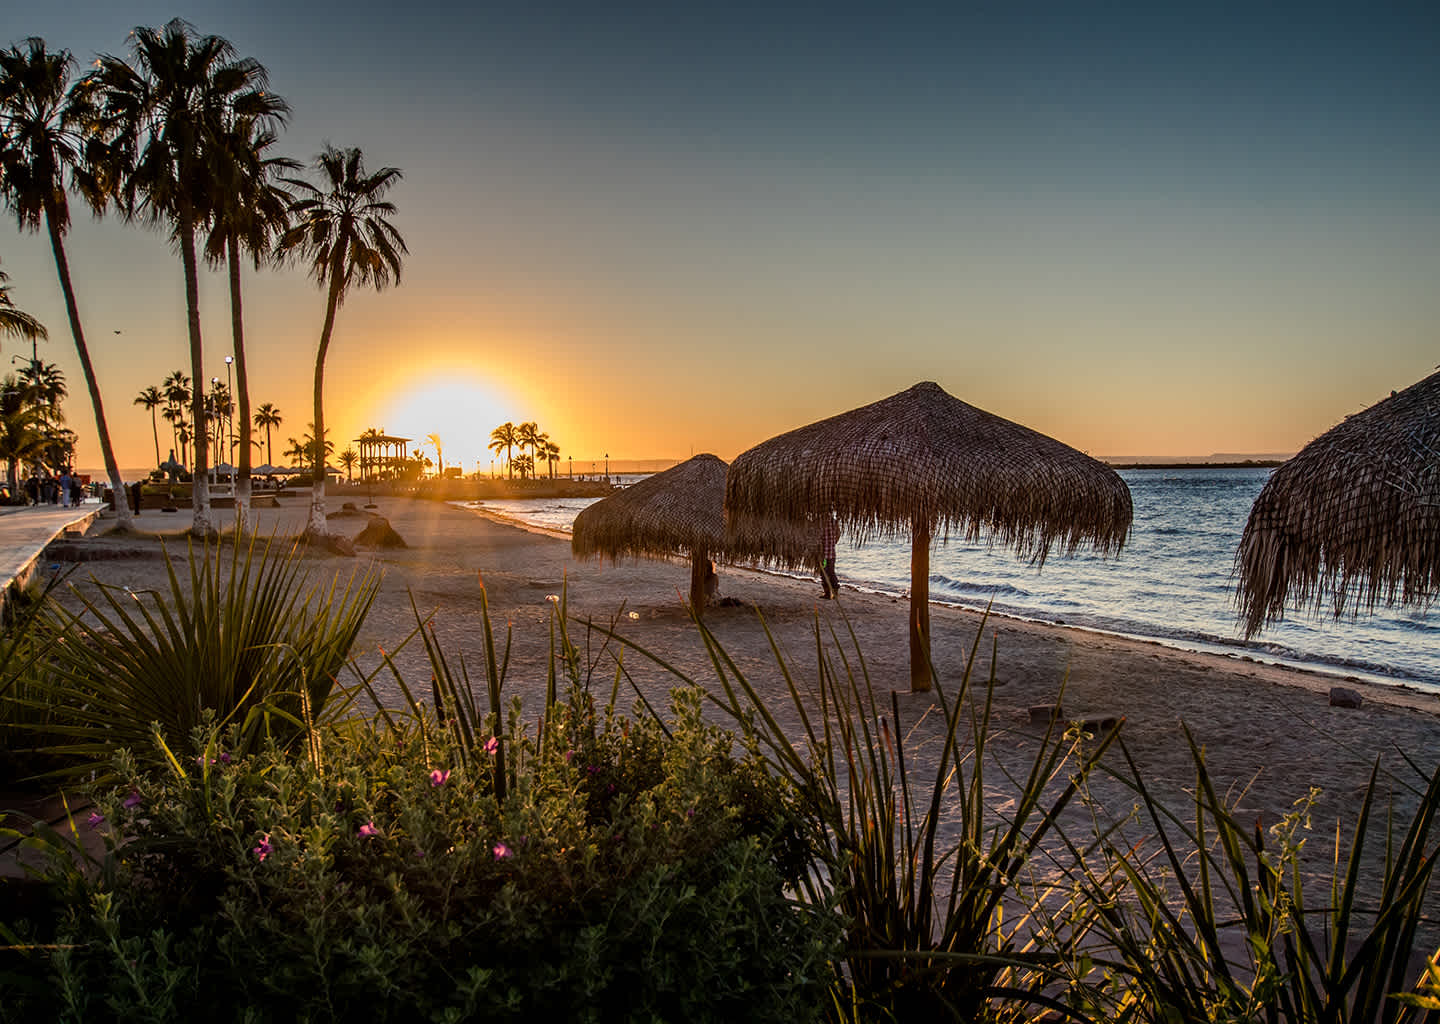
224, 758
500, 850
95, 818
263, 850
492, 744
369, 829
132, 801
439, 778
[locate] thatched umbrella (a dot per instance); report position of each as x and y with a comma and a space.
922, 461
678, 511
1352, 519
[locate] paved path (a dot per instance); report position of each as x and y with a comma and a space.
24, 532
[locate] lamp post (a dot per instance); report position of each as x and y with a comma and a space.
229, 421
215, 386
607, 467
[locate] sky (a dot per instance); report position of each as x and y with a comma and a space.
657, 229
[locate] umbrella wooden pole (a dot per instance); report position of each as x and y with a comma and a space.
699, 562
920, 606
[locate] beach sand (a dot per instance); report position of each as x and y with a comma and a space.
1268, 732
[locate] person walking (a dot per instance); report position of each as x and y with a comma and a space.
64, 488
829, 535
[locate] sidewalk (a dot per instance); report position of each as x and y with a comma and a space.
24, 532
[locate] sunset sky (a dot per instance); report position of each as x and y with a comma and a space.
1144, 229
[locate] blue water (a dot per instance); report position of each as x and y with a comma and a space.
1172, 583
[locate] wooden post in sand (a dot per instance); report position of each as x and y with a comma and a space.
919, 605
699, 564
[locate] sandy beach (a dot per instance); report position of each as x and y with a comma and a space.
1269, 733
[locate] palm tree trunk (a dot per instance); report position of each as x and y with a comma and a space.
123, 520
155, 429
317, 526
242, 386
200, 489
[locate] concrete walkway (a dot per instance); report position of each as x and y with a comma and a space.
24, 532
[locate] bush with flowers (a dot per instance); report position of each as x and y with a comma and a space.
629, 872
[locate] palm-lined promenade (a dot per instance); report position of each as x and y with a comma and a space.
325, 746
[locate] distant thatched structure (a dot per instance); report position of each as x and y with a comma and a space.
1351, 520
679, 511
922, 462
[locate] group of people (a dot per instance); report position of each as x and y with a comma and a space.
64, 490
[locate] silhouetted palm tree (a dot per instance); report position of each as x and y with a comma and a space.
16, 322
166, 117
267, 416
434, 439
152, 399
342, 229
552, 456
348, 459
250, 213
42, 139
503, 438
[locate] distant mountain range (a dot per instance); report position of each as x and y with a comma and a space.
1216, 459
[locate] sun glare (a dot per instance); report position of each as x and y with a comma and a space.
460, 410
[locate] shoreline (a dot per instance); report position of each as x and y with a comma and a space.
1373, 686
1269, 736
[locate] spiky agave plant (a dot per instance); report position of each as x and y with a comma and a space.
246, 639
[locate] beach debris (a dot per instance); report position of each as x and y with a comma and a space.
1343, 697
1044, 714
332, 543
378, 533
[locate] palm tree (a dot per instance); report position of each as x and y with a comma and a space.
434, 439
525, 464
348, 459
250, 212
528, 436
177, 396
267, 416
42, 125
23, 436
552, 456
503, 438
343, 231
167, 117
297, 451
14, 322
152, 399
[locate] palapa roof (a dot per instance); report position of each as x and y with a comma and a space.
1351, 520
923, 455
681, 509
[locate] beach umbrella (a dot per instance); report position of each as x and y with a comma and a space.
267, 470
674, 512
923, 462
1352, 519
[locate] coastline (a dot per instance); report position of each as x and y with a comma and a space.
1318, 675
1268, 732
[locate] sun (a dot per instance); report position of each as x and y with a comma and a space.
459, 409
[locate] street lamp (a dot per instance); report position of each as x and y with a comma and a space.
229, 419
215, 386
607, 467
229, 422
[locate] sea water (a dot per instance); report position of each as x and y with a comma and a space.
1174, 582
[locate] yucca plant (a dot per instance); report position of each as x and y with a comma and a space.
245, 639
920, 863
1216, 922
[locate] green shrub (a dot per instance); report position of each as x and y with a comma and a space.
245, 638
618, 880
